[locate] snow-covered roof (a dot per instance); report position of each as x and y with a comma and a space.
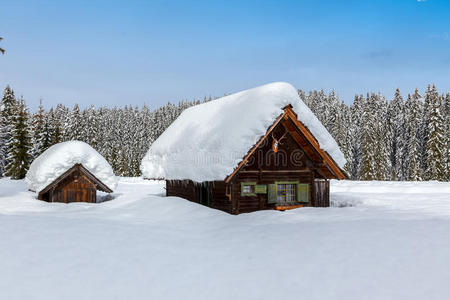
207, 142
61, 157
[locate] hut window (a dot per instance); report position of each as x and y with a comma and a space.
248, 189
286, 192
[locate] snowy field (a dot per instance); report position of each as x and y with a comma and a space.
380, 241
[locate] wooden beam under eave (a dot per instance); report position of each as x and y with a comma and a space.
325, 156
303, 142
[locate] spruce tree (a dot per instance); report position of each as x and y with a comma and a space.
56, 129
367, 170
54, 132
74, 126
436, 141
397, 135
91, 127
447, 134
19, 155
430, 96
38, 129
382, 138
7, 107
355, 133
413, 117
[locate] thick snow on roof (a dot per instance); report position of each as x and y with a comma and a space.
206, 142
61, 157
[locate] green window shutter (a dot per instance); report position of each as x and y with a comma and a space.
272, 195
303, 192
260, 189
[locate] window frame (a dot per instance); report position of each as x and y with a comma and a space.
248, 183
295, 183
272, 193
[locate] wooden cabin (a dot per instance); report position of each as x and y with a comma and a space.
286, 168
75, 185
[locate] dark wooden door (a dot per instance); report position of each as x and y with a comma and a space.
321, 193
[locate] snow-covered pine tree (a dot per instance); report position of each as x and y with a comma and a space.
342, 132
7, 107
436, 141
355, 130
331, 110
91, 127
447, 134
19, 155
54, 128
367, 170
397, 132
74, 126
383, 138
62, 114
316, 104
375, 163
38, 131
430, 94
413, 151
302, 96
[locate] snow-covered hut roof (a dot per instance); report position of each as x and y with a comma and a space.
61, 157
207, 142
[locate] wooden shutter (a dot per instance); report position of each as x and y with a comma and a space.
272, 194
303, 192
260, 189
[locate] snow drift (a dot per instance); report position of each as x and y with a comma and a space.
391, 245
61, 157
206, 142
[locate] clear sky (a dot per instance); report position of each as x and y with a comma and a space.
136, 52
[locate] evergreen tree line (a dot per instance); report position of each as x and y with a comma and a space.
121, 135
382, 140
389, 140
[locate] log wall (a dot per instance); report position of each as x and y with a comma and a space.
74, 188
290, 163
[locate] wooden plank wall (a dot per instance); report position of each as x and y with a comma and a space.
322, 193
259, 202
190, 190
219, 200
186, 189
75, 188
290, 163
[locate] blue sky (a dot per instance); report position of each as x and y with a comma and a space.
136, 52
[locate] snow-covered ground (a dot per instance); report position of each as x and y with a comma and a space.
381, 241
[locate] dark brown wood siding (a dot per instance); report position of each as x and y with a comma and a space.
76, 187
322, 193
290, 163
195, 192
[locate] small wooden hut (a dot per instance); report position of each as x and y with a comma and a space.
75, 185
286, 168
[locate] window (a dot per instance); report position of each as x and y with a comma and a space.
286, 192
248, 189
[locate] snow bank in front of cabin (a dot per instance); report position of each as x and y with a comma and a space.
206, 142
61, 157
393, 244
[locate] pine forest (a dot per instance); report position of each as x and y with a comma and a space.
403, 138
